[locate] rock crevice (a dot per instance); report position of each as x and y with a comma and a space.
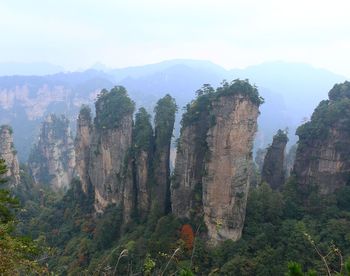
214, 158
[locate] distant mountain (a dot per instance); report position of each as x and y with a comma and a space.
26, 100
301, 85
29, 69
151, 69
291, 92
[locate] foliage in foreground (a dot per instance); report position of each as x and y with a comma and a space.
278, 232
17, 253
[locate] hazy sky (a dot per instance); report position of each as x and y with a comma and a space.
118, 33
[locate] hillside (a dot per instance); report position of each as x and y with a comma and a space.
26, 100
124, 214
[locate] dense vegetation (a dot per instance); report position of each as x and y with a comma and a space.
286, 232
2, 127
328, 112
340, 91
207, 94
164, 120
18, 254
281, 136
85, 113
143, 131
112, 106
280, 227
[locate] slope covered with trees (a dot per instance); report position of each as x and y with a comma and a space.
292, 230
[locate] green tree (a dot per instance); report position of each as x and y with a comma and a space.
7, 203
143, 132
164, 120
17, 254
112, 107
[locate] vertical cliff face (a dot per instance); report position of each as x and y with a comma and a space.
226, 183
107, 161
143, 145
213, 163
82, 148
164, 124
109, 149
189, 168
290, 158
124, 163
52, 160
142, 183
322, 157
9, 154
273, 171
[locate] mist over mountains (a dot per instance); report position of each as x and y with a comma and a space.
291, 91
29, 69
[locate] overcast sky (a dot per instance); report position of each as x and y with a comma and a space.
118, 33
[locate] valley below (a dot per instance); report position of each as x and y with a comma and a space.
112, 180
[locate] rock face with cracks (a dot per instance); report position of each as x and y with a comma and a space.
109, 150
82, 148
226, 183
127, 163
214, 158
124, 162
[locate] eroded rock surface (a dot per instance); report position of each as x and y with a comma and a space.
274, 169
52, 160
9, 154
214, 158
226, 183
323, 153
82, 148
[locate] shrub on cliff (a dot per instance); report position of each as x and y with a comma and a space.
17, 254
164, 120
328, 114
112, 106
207, 94
142, 131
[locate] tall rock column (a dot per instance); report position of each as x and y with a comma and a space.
52, 160
9, 154
273, 171
192, 148
110, 150
226, 183
214, 158
82, 148
322, 157
142, 147
164, 124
